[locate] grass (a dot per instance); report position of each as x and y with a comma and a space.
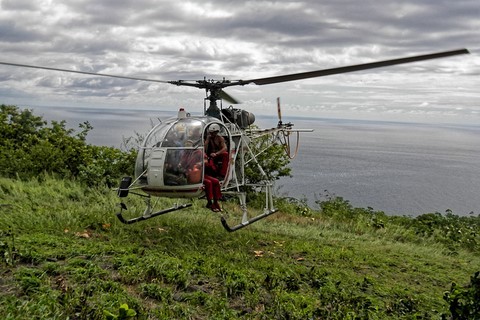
65, 255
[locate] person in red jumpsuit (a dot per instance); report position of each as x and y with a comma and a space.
217, 153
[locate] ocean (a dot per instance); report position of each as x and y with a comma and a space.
396, 167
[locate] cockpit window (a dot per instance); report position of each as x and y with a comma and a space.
155, 137
183, 166
184, 132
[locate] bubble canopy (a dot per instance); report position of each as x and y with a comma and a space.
174, 133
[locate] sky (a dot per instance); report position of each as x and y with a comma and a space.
193, 40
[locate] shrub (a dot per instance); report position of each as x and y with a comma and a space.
29, 148
464, 302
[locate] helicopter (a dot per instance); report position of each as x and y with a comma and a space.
158, 169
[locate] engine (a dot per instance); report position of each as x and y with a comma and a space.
240, 117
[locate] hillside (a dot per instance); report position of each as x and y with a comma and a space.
65, 255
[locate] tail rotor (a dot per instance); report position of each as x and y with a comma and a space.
285, 132
279, 112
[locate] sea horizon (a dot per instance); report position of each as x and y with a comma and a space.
401, 168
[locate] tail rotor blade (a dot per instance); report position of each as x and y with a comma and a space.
279, 111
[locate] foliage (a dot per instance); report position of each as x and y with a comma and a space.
7, 247
63, 257
464, 302
272, 158
29, 148
72, 259
272, 164
341, 209
123, 313
452, 231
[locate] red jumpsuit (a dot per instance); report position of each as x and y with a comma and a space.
216, 149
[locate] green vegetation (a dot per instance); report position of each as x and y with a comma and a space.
29, 148
271, 156
64, 255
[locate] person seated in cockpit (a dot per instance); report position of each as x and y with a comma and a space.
175, 136
195, 135
190, 163
216, 152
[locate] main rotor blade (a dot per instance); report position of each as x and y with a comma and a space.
358, 67
262, 81
225, 96
81, 72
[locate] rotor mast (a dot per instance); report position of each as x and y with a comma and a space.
213, 94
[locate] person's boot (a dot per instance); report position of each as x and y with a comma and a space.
209, 204
216, 206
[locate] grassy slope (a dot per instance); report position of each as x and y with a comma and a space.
64, 254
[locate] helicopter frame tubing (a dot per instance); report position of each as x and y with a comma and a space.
268, 210
278, 134
233, 186
123, 191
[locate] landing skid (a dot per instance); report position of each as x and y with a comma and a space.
268, 210
147, 214
245, 223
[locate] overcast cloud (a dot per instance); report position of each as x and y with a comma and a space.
190, 40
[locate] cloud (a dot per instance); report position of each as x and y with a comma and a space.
191, 40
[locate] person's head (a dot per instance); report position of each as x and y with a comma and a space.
179, 128
214, 129
195, 133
